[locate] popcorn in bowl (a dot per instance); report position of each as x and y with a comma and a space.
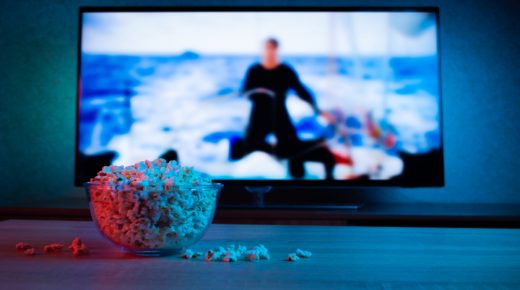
152, 207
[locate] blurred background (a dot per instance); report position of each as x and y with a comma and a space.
479, 63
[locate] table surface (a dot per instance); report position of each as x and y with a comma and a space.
343, 258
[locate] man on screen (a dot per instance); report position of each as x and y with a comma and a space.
267, 84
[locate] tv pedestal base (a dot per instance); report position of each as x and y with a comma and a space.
260, 191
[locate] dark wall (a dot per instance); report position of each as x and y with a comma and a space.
480, 46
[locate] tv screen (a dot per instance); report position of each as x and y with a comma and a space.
263, 96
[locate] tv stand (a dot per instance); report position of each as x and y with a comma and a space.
259, 198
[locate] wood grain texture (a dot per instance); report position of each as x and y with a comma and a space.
343, 258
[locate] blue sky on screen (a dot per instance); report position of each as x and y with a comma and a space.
300, 33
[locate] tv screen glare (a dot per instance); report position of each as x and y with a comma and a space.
263, 96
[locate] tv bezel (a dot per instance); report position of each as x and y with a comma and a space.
439, 181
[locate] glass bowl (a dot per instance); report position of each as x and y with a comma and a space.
153, 222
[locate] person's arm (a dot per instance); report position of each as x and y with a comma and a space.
302, 91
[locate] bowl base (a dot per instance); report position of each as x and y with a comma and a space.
153, 253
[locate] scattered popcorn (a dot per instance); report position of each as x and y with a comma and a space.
78, 247
52, 248
21, 246
189, 254
251, 255
262, 252
29, 251
238, 250
303, 254
209, 255
215, 254
230, 257
234, 253
152, 204
293, 257
259, 252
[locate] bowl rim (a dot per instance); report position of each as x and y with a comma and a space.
182, 185
215, 185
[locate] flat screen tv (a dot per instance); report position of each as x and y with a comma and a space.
299, 96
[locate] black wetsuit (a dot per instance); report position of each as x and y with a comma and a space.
269, 115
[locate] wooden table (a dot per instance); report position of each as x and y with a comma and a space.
343, 257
